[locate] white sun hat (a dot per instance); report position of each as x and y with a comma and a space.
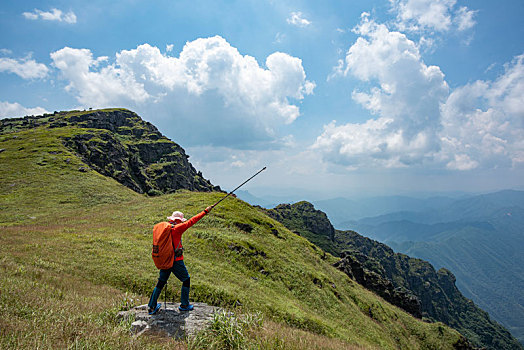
177, 215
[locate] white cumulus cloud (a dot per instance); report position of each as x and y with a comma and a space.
25, 68
101, 87
432, 15
405, 94
15, 109
418, 120
298, 19
53, 15
483, 122
210, 86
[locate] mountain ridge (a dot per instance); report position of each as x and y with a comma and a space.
119, 144
444, 303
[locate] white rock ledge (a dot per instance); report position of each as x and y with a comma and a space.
169, 321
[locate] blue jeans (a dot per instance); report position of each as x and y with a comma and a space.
180, 271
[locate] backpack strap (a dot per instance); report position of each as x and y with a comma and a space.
180, 242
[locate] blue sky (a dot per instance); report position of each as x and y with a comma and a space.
336, 98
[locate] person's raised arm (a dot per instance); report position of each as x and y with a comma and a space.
187, 224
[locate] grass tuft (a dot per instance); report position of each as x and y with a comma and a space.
228, 331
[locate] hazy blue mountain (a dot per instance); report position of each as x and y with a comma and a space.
488, 264
480, 207
480, 239
406, 230
342, 210
246, 196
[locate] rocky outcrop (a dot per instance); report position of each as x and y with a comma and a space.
413, 274
303, 215
134, 152
119, 144
440, 299
351, 264
304, 219
169, 321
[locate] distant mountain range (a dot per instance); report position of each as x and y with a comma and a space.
254, 200
340, 210
479, 238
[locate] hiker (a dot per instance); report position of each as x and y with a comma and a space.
168, 256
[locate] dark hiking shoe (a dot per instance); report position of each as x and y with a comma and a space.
154, 310
186, 308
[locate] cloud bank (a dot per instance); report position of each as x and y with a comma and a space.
419, 122
17, 110
483, 122
210, 86
405, 94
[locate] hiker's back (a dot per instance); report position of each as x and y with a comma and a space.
163, 253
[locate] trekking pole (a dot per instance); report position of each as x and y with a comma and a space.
165, 299
242, 184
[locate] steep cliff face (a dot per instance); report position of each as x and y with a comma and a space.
354, 264
440, 299
119, 144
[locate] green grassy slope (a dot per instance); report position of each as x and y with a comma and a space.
75, 247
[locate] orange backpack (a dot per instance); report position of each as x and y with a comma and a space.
163, 253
